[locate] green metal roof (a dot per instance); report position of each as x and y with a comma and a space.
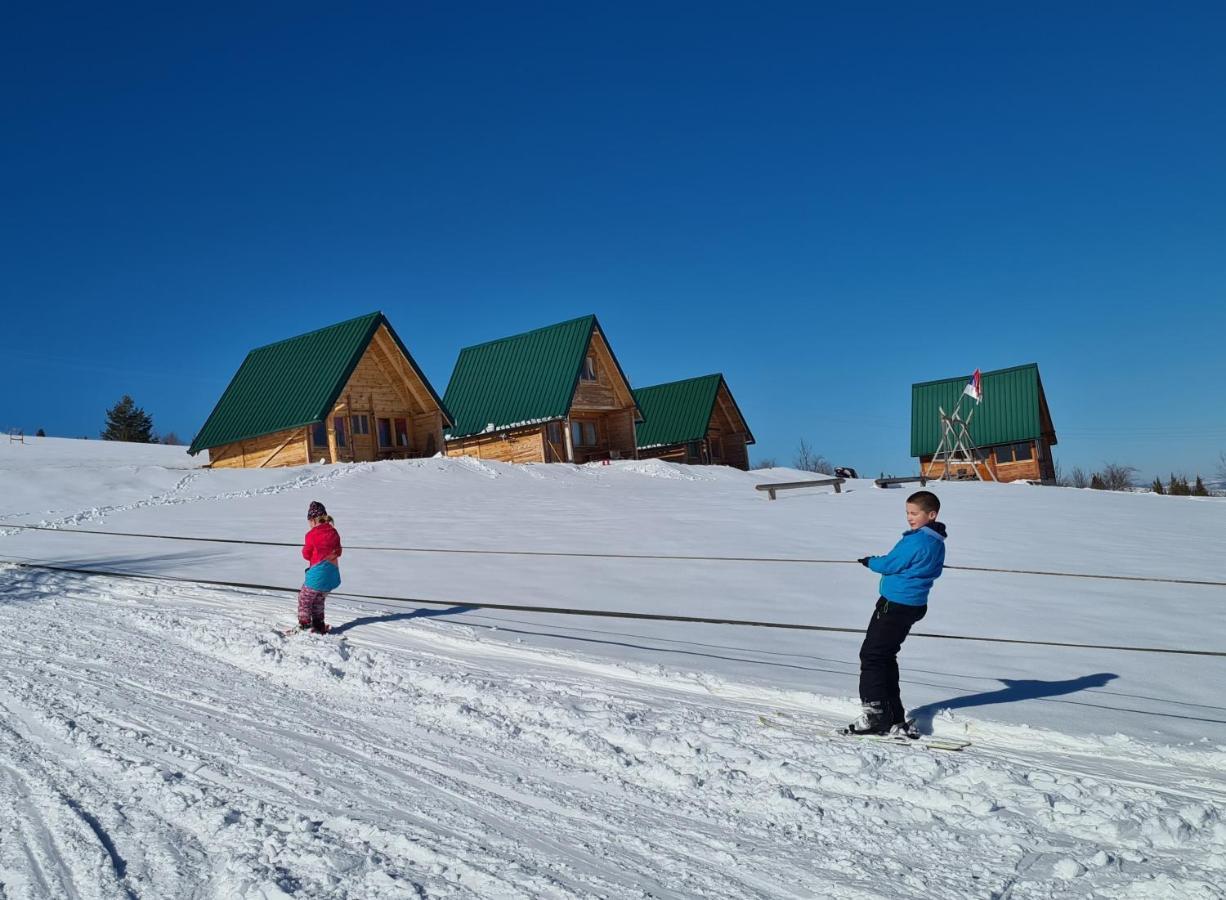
1014, 408
519, 380
680, 411
295, 382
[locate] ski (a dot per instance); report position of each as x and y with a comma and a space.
927, 742
299, 629
924, 741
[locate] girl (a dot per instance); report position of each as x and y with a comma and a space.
322, 549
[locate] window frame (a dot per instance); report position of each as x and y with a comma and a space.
580, 429
589, 369
359, 424
380, 422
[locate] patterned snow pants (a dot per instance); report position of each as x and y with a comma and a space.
311, 607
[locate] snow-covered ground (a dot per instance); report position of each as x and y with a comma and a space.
164, 739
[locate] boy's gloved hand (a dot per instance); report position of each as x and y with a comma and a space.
863, 560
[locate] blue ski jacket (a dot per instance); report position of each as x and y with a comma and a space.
908, 571
323, 577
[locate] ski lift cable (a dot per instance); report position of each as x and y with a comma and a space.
594, 555
598, 613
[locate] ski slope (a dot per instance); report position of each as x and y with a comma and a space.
160, 738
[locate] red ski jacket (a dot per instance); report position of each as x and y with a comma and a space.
322, 543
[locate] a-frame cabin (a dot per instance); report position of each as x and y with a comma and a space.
346, 393
1012, 426
556, 394
693, 421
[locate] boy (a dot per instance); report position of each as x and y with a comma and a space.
907, 573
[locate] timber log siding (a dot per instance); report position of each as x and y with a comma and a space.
556, 394
352, 392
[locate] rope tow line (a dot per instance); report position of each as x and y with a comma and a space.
604, 613
582, 555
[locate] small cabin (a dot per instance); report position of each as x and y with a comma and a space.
350, 392
556, 394
693, 421
1011, 426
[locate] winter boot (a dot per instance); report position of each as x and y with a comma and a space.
874, 719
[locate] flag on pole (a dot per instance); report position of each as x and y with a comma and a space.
974, 387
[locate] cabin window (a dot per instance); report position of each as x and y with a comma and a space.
361, 424
338, 423
402, 432
385, 432
1014, 453
319, 434
589, 368
553, 431
717, 448
583, 433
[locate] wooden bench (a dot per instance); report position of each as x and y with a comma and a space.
886, 482
793, 485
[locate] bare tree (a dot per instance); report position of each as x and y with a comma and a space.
1078, 478
1117, 477
1221, 465
1058, 472
807, 460
767, 462
171, 439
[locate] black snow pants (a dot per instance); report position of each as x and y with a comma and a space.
888, 628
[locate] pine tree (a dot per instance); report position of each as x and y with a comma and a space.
125, 421
1199, 489
1096, 483
1158, 488
40, 433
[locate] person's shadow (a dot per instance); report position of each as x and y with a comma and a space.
1013, 690
399, 617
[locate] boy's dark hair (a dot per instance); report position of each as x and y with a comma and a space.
926, 500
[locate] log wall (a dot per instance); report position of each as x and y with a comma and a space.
281, 448
608, 391
516, 447
1033, 469
620, 426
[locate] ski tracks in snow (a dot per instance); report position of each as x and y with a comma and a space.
179, 494
160, 741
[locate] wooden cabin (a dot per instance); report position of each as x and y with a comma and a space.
346, 393
694, 421
1011, 427
556, 394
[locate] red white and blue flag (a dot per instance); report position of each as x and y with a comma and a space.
974, 387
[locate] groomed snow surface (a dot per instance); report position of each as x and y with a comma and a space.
163, 739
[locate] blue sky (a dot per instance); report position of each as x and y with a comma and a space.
826, 203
